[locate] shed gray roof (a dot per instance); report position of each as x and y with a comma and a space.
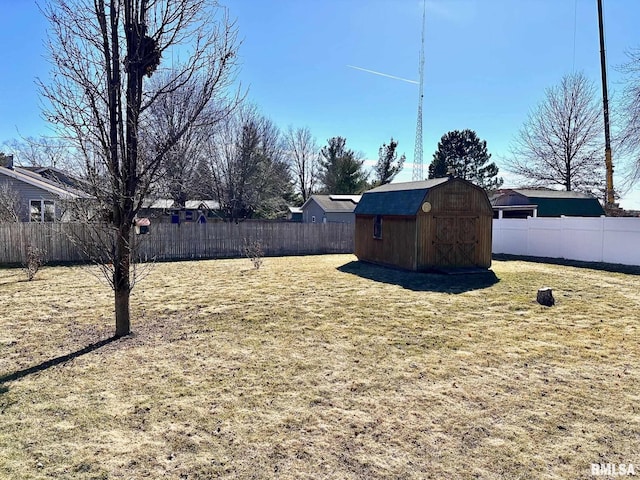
335, 203
396, 198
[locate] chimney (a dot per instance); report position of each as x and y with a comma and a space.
6, 161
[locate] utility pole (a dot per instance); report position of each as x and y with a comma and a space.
610, 197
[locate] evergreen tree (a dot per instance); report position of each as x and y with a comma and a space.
389, 165
340, 170
467, 155
251, 177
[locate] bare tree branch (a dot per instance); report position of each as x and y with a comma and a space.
303, 153
9, 204
629, 138
561, 142
100, 99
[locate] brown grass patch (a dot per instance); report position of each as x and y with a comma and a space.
317, 367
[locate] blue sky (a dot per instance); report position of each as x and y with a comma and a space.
487, 64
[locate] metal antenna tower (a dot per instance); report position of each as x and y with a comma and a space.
418, 171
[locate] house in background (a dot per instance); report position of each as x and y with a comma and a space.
166, 210
523, 203
330, 209
443, 223
294, 214
36, 199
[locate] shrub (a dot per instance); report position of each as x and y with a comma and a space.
253, 251
33, 261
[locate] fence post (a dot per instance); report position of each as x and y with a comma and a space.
602, 235
563, 246
528, 235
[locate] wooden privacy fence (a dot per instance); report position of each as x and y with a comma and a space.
178, 242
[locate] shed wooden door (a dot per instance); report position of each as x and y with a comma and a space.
454, 241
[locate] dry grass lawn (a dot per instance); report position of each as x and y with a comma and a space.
319, 367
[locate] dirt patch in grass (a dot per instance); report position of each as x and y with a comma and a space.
319, 367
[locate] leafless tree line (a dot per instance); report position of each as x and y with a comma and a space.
232, 154
243, 161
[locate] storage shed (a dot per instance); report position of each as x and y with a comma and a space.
425, 225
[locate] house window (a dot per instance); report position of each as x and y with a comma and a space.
42, 211
377, 227
313, 219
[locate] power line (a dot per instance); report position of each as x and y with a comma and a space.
575, 28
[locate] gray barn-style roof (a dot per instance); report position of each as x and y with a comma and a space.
396, 198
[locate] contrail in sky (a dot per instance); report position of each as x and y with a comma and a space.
383, 74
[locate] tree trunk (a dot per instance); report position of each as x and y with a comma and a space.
545, 297
122, 281
123, 319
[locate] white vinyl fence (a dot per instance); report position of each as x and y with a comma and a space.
599, 239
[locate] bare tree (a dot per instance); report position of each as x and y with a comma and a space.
9, 204
250, 174
561, 142
629, 141
101, 53
303, 154
183, 164
42, 151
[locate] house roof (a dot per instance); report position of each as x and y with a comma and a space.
56, 176
550, 203
396, 198
168, 204
335, 203
350, 198
33, 179
295, 209
534, 193
201, 205
158, 203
